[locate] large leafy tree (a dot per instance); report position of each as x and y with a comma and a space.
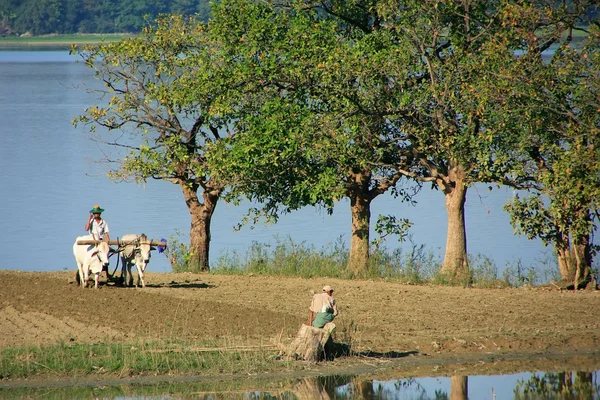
471, 107
314, 126
561, 144
165, 90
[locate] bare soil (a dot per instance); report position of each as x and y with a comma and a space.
421, 330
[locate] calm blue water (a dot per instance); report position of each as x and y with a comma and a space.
51, 179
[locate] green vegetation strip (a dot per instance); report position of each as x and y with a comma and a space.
58, 40
129, 359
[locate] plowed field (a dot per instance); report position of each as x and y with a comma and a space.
439, 324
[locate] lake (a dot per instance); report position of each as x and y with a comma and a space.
51, 178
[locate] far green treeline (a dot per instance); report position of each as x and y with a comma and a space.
44, 17
302, 103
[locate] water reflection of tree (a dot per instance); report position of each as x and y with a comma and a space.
459, 388
321, 387
369, 390
563, 385
365, 389
348, 387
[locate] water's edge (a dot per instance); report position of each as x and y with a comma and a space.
414, 366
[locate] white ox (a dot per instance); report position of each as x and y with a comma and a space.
137, 253
90, 257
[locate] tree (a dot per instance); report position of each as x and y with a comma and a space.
314, 125
561, 142
132, 14
7, 14
165, 90
466, 96
39, 17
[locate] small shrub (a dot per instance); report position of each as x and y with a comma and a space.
519, 275
484, 272
178, 254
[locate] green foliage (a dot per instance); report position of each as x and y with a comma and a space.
39, 16
390, 225
178, 254
529, 216
163, 92
343, 100
338, 100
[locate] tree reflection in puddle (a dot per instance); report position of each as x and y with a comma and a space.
562, 385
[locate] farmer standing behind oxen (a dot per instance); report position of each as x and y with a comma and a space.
98, 228
323, 308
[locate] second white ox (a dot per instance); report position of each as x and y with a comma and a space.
136, 252
90, 258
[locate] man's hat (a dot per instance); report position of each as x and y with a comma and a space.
96, 210
327, 288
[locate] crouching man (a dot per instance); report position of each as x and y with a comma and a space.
323, 308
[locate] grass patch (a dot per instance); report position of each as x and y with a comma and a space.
287, 258
412, 264
132, 359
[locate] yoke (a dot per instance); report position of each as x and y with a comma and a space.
158, 243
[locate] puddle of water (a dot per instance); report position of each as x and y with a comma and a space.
562, 385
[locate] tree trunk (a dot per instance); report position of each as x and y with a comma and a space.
360, 205
582, 251
583, 260
201, 214
363, 389
565, 257
455, 265
311, 388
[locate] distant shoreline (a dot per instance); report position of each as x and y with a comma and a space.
58, 40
